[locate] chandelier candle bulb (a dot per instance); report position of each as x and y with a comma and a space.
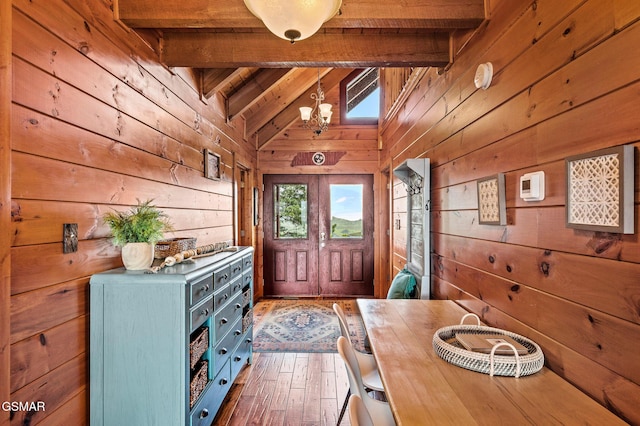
305, 113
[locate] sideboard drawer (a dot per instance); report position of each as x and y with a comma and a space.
201, 289
205, 410
243, 353
226, 316
247, 277
236, 286
221, 297
247, 262
235, 268
225, 347
200, 313
221, 277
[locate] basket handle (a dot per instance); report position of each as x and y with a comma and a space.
493, 354
470, 315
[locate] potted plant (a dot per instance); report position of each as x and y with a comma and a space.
136, 231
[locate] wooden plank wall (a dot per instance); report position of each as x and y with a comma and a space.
566, 82
5, 202
97, 124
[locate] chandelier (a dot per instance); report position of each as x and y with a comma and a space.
317, 119
293, 20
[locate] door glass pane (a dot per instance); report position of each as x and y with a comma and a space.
346, 211
290, 211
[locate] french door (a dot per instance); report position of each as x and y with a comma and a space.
318, 235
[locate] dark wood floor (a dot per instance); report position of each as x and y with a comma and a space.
300, 389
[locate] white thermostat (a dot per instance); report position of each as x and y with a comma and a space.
532, 186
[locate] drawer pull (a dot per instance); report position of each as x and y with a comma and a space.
224, 381
226, 296
205, 288
204, 312
238, 306
249, 340
204, 413
224, 321
237, 359
223, 351
237, 332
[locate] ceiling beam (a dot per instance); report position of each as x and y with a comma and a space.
291, 113
429, 14
214, 79
230, 50
248, 94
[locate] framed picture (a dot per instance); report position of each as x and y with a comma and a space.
212, 165
600, 190
492, 208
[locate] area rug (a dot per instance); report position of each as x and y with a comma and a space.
303, 325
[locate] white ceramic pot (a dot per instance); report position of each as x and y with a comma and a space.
137, 256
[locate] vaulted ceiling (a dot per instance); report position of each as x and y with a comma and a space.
264, 78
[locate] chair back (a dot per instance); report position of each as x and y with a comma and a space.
342, 319
351, 363
358, 413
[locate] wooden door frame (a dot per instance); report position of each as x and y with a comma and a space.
5, 203
379, 227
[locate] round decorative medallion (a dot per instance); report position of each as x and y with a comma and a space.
318, 158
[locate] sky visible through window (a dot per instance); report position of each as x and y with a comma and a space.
346, 201
369, 107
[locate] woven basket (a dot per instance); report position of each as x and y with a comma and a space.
449, 349
198, 345
247, 320
199, 381
166, 248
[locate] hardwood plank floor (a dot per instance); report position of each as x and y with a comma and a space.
300, 389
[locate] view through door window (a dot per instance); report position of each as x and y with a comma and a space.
290, 219
346, 211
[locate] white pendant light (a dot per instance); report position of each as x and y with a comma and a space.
293, 20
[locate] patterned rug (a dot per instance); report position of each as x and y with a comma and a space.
303, 325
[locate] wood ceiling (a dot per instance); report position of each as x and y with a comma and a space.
264, 78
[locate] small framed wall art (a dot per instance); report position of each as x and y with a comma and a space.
492, 209
600, 190
212, 165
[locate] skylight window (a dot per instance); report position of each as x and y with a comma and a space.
360, 97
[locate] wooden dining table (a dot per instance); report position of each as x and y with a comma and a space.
424, 389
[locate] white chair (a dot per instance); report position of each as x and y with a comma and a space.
358, 413
378, 410
366, 362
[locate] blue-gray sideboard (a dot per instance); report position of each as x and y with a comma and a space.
165, 348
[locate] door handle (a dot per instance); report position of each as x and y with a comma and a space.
322, 238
